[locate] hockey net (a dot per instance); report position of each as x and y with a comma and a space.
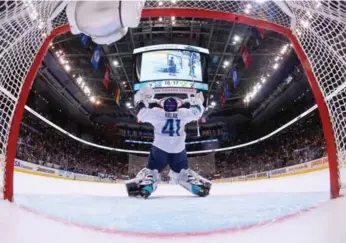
315, 29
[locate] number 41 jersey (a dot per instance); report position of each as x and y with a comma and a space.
169, 127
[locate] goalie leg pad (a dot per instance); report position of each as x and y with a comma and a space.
144, 184
192, 182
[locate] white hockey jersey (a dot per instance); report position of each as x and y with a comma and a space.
169, 127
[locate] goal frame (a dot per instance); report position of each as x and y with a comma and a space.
181, 12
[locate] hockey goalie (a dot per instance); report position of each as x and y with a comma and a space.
169, 120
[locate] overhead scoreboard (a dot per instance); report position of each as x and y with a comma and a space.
171, 66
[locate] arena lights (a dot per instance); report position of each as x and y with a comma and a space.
299, 33
129, 105
236, 38
318, 5
173, 1
263, 78
173, 18
87, 90
254, 92
79, 80
115, 63
304, 23
225, 64
284, 49
67, 67
248, 8
33, 14
92, 99
160, 3
309, 14
160, 19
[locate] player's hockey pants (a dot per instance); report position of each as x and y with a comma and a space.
159, 159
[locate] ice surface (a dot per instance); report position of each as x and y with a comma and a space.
98, 208
172, 214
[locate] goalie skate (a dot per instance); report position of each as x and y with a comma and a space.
144, 184
192, 182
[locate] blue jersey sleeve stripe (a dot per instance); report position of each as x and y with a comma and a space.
197, 107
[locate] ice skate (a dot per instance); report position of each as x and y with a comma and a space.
144, 184
191, 181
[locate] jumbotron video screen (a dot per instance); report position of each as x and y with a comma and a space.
171, 64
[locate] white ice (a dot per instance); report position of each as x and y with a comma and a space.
73, 211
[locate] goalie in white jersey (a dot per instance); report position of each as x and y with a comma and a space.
168, 146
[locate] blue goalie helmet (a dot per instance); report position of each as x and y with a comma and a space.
170, 105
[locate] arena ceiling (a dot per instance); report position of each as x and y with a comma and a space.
272, 61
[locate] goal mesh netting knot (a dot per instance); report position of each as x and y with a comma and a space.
316, 30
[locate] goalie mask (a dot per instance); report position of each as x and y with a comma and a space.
171, 104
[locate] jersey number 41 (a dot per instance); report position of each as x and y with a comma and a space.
171, 127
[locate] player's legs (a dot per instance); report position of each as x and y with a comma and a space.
148, 178
158, 159
187, 178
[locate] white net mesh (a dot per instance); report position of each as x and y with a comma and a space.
319, 27
23, 29
321, 30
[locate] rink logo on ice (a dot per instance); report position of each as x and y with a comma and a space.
44, 170
278, 172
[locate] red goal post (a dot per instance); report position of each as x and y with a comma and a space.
315, 30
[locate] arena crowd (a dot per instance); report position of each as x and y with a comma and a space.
42, 144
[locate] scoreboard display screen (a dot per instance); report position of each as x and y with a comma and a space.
171, 65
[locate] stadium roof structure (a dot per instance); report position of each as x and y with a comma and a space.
271, 63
